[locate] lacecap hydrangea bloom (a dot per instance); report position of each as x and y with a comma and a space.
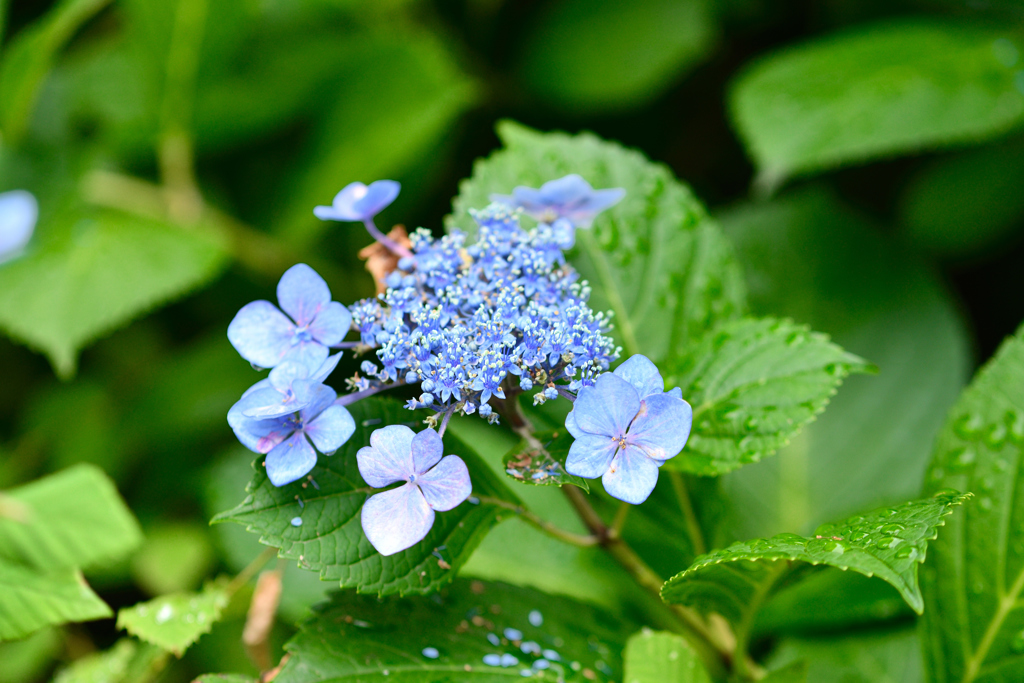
626, 426
470, 325
18, 214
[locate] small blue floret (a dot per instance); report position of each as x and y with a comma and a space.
570, 198
359, 202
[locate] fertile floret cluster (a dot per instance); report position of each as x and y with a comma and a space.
472, 322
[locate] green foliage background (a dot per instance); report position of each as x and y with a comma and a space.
865, 160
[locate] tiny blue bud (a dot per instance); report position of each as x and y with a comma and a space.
551, 393
411, 377
426, 399
526, 384
427, 385
406, 263
486, 410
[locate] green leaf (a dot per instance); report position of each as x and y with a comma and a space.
875, 91
67, 520
543, 466
661, 657
174, 622
887, 543
398, 80
794, 673
810, 258
28, 659
974, 579
877, 656
966, 204
29, 58
93, 271
753, 384
226, 678
31, 599
128, 661
331, 540
580, 642
611, 55
655, 259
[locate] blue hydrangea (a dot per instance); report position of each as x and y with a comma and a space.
264, 336
289, 440
625, 427
401, 517
18, 214
570, 199
463, 319
359, 202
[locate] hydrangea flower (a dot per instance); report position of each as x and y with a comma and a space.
626, 426
263, 335
289, 388
570, 198
401, 517
288, 440
359, 202
461, 319
18, 214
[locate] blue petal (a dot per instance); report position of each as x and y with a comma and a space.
311, 354
447, 484
331, 429
607, 407
290, 460
321, 396
259, 436
302, 294
565, 190
19, 212
662, 426
582, 214
331, 324
378, 196
631, 477
388, 458
427, 450
642, 374
270, 403
570, 424
397, 519
261, 334
590, 456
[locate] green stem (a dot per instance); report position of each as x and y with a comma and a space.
744, 666
580, 540
692, 525
620, 520
175, 150
245, 576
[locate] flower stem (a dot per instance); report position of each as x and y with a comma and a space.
394, 246
580, 540
444, 421
692, 524
349, 399
620, 520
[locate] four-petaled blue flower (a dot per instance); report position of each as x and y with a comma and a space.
289, 388
400, 518
264, 336
570, 198
288, 440
18, 214
359, 202
626, 426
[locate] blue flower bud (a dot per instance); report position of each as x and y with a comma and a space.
526, 384
551, 393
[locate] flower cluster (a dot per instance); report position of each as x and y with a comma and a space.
471, 324
468, 322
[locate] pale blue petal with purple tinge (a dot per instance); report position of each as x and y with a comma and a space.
631, 477
397, 519
607, 407
331, 324
311, 354
583, 212
427, 449
302, 294
570, 424
662, 426
258, 436
571, 198
359, 202
19, 212
261, 333
590, 455
642, 374
270, 403
331, 429
321, 396
388, 458
290, 460
447, 484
